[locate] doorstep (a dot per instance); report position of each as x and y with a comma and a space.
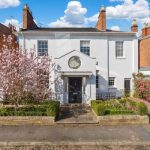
76, 114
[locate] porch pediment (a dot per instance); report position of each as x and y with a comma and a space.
75, 52
86, 64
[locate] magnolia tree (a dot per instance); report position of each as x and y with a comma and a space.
142, 86
24, 75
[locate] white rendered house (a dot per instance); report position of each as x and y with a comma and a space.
95, 62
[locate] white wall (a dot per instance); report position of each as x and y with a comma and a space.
61, 43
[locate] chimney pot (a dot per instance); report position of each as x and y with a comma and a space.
26, 6
146, 30
102, 8
134, 27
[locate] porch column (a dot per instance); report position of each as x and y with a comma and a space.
65, 89
84, 85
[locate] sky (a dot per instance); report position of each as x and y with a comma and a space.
77, 13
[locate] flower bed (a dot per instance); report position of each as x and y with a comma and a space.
119, 107
124, 111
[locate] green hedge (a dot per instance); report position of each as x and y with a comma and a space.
118, 112
115, 107
142, 108
49, 108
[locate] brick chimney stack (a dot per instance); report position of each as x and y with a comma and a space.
101, 23
11, 27
134, 27
146, 30
28, 21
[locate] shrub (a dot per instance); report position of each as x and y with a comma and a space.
95, 102
123, 106
100, 109
52, 108
113, 104
142, 109
118, 112
49, 108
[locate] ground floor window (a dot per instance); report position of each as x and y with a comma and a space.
127, 87
111, 82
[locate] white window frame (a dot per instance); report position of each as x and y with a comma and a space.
116, 49
89, 42
112, 86
38, 46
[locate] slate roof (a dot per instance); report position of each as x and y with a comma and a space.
67, 30
4, 29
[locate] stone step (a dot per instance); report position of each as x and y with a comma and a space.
76, 114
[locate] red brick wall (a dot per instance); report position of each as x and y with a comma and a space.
134, 28
145, 31
144, 52
7, 32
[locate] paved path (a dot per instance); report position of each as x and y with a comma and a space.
80, 133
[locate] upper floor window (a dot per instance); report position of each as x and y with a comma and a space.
119, 49
42, 48
85, 47
111, 82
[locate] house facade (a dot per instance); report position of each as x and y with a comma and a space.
144, 50
94, 62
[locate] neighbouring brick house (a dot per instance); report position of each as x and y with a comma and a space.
144, 50
8, 31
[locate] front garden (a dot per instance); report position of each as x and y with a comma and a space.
26, 83
123, 106
47, 108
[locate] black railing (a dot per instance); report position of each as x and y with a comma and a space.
106, 95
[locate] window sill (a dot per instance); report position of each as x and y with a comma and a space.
112, 87
120, 57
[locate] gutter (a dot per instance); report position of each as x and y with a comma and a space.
108, 66
98, 33
23, 40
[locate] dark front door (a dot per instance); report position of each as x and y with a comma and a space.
75, 90
127, 87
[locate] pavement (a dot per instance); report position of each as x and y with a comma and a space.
76, 133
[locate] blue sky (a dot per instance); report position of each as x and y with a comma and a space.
57, 13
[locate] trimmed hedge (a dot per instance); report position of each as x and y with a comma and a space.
118, 112
142, 109
116, 107
49, 108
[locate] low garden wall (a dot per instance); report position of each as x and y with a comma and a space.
116, 112
43, 114
122, 119
27, 120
